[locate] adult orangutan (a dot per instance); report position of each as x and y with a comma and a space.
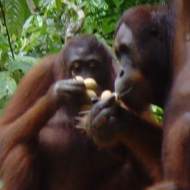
142, 45
40, 146
177, 119
176, 129
167, 73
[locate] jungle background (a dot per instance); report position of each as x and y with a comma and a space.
30, 29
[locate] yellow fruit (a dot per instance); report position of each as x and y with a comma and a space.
90, 83
106, 94
91, 94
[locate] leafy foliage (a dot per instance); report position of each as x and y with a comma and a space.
102, 15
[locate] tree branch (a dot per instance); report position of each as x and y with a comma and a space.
7, 31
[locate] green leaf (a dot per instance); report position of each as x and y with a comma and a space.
16, 11
157, 110
3, 43
22, 63
108, 25
117, 3
158, 113
7, 85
